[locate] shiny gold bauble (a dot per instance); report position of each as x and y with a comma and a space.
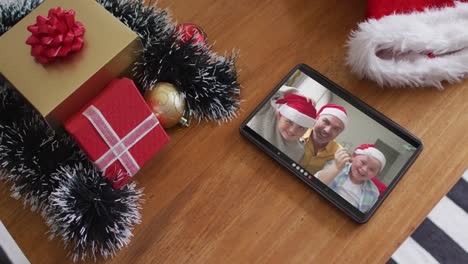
166, 103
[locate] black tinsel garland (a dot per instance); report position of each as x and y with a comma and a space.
13, 11
148, 22
50, 173
31, 153
90, 215
208, 82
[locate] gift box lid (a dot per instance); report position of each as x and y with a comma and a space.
47, 86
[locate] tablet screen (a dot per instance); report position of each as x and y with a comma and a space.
334, 142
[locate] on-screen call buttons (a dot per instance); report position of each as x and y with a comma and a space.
301, 170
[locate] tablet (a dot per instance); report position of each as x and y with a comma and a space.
335, 143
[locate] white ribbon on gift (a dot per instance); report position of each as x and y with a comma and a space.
118, 148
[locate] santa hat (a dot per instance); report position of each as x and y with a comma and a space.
371, 151
335, 110
411, 42
298, 109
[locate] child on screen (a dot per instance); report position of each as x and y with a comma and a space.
350, 177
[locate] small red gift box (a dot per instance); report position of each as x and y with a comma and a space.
118, 131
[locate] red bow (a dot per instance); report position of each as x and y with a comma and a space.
56, 35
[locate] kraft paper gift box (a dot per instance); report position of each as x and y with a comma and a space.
63, 87
118, 131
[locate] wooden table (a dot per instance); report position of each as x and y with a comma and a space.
213, 197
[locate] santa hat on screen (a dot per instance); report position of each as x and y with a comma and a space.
298, 109
335, 110
411, 42
372, 151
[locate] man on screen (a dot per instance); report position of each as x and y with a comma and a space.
320, 145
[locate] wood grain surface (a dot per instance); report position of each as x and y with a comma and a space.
213, 197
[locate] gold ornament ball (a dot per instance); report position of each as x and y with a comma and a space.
166, 103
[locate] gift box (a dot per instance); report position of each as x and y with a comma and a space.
118, 131
63, 87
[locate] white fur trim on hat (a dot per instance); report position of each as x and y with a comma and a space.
337, 113
296, 116
441, 32
373, 152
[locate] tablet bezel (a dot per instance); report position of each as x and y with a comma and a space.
315, 183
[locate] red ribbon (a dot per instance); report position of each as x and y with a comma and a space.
56, 35
119, 148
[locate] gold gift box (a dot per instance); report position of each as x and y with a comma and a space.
63, 87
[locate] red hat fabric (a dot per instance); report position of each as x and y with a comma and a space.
372, 151
335, 110
411, 42
298, 109
380, 8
